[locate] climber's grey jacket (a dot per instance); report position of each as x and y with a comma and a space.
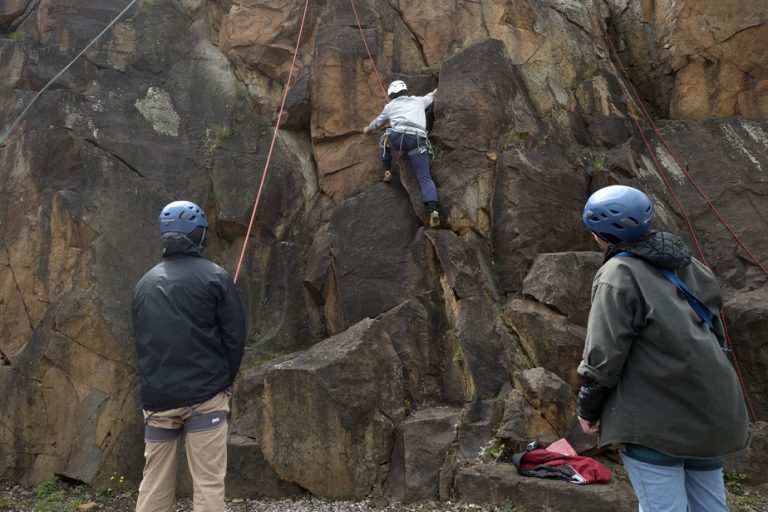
404, 113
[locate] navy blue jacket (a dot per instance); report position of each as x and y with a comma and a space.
189, 328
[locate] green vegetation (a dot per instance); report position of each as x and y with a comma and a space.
622, 474
268, 356
241, 91
747, 501
253, 337
598, 158
250, 363
508, 506
18, 35
458, 357
733, 480
219, 133
497, 451
740, 497
54, 495
428, 70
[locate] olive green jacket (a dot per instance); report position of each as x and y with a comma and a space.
673, 389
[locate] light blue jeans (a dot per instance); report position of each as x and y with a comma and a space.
676, 489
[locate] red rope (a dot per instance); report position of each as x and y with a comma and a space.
695, 184
272, 144
656, 163
362, 35
636, 99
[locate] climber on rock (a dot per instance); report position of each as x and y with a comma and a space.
408, 132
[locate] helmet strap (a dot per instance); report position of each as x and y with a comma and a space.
203, 239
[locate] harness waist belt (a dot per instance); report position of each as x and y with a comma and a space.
410, 129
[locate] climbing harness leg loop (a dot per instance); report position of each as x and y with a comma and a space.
205, 422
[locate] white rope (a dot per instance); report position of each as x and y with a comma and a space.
58, 75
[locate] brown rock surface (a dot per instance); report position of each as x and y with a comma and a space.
356, 312
696, 59
501, 484
330, 413
421, 449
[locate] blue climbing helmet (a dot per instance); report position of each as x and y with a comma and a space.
182, 217
619, 211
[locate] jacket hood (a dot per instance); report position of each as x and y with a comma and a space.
178, 244
660, 249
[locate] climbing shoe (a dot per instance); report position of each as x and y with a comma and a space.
387, 176
434, 219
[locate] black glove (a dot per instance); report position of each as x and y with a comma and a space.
592, 396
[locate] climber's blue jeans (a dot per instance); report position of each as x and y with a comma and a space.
418, 153
675, 488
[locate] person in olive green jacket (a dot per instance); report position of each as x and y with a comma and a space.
655, 377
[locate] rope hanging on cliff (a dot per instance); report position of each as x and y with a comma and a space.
683, 168
637, 101
365, 43
635, 97
272, 144
58, 75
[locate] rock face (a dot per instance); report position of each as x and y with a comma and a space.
329, 414
694, 59
383, 358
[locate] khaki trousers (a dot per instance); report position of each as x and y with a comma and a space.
206, 455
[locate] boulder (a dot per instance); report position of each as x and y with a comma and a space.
524, 222
521, 423
747, 321
754, 462
548, 394
414, 328
466, 263
548, 338
422, 447
367, 280
329, 414
486, 350
502, 485
474, 121
479, 423
563, 281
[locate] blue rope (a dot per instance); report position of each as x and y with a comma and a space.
698, 307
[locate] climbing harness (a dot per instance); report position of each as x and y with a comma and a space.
384, 143
272, 144
197, 422
423, 145
637, 102
58, 75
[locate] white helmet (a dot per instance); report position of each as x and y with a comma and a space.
395, 87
